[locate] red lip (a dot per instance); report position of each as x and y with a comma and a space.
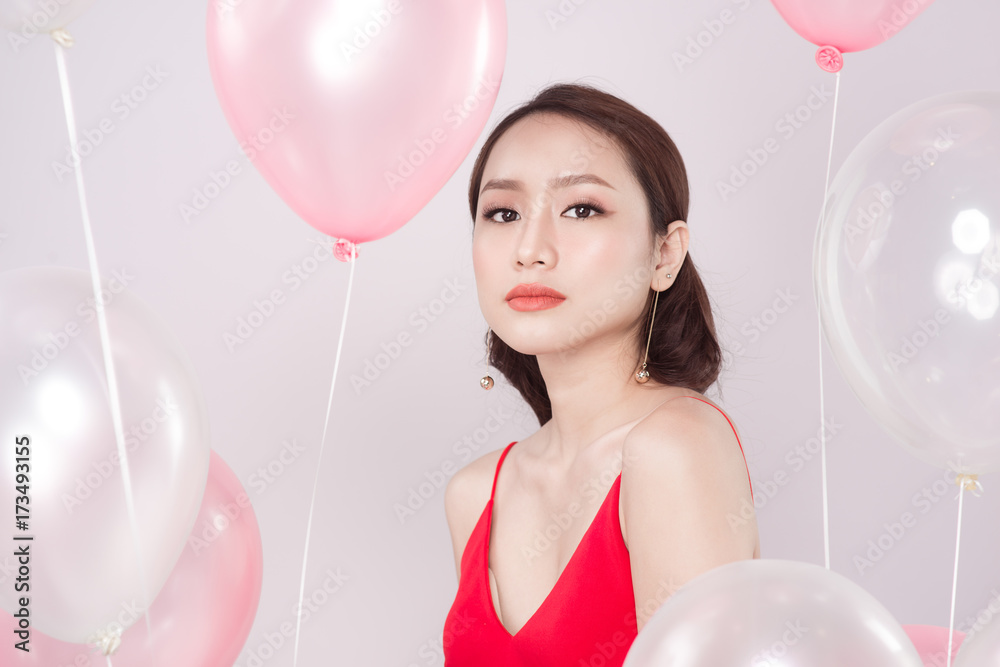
533, 290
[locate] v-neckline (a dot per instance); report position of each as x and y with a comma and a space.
569, 563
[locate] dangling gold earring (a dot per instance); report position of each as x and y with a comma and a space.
643, 375
487, 381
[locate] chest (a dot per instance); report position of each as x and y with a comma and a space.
540, 553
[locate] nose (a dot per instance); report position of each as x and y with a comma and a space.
536, 241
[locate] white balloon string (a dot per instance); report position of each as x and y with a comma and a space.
109, 367
954, 579
326, 423
822, 399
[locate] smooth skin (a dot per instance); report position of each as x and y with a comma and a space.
568, 213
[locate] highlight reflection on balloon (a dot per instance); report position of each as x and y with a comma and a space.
907, 271
54, 390
357, 113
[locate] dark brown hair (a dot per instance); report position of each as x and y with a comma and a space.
683, 349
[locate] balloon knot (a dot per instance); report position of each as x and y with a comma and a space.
62, 37
969, 482
345, 250
829, 58
107, 641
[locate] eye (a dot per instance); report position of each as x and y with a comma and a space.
579, 207
489, 213
586, 205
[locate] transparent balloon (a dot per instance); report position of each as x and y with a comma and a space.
30, 17
90, 574
907, 274
771, 613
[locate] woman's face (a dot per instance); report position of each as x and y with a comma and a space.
559, 207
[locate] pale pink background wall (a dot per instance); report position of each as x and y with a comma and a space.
391, 436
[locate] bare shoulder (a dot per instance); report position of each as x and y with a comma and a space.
682, 444
691, 420
684, 458
465, 498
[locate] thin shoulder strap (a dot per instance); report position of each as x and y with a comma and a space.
499, 463
734, 433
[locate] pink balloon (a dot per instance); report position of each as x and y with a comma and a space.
357, 113
930, 642
203, 614
847, 25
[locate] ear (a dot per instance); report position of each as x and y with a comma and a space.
670, 250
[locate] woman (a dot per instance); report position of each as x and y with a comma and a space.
635, 483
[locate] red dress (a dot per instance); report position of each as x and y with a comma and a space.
588, 618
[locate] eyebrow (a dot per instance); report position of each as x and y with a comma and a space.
554, 183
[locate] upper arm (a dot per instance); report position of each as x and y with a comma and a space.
460, 500
685, 499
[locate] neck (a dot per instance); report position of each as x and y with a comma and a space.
593, 392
